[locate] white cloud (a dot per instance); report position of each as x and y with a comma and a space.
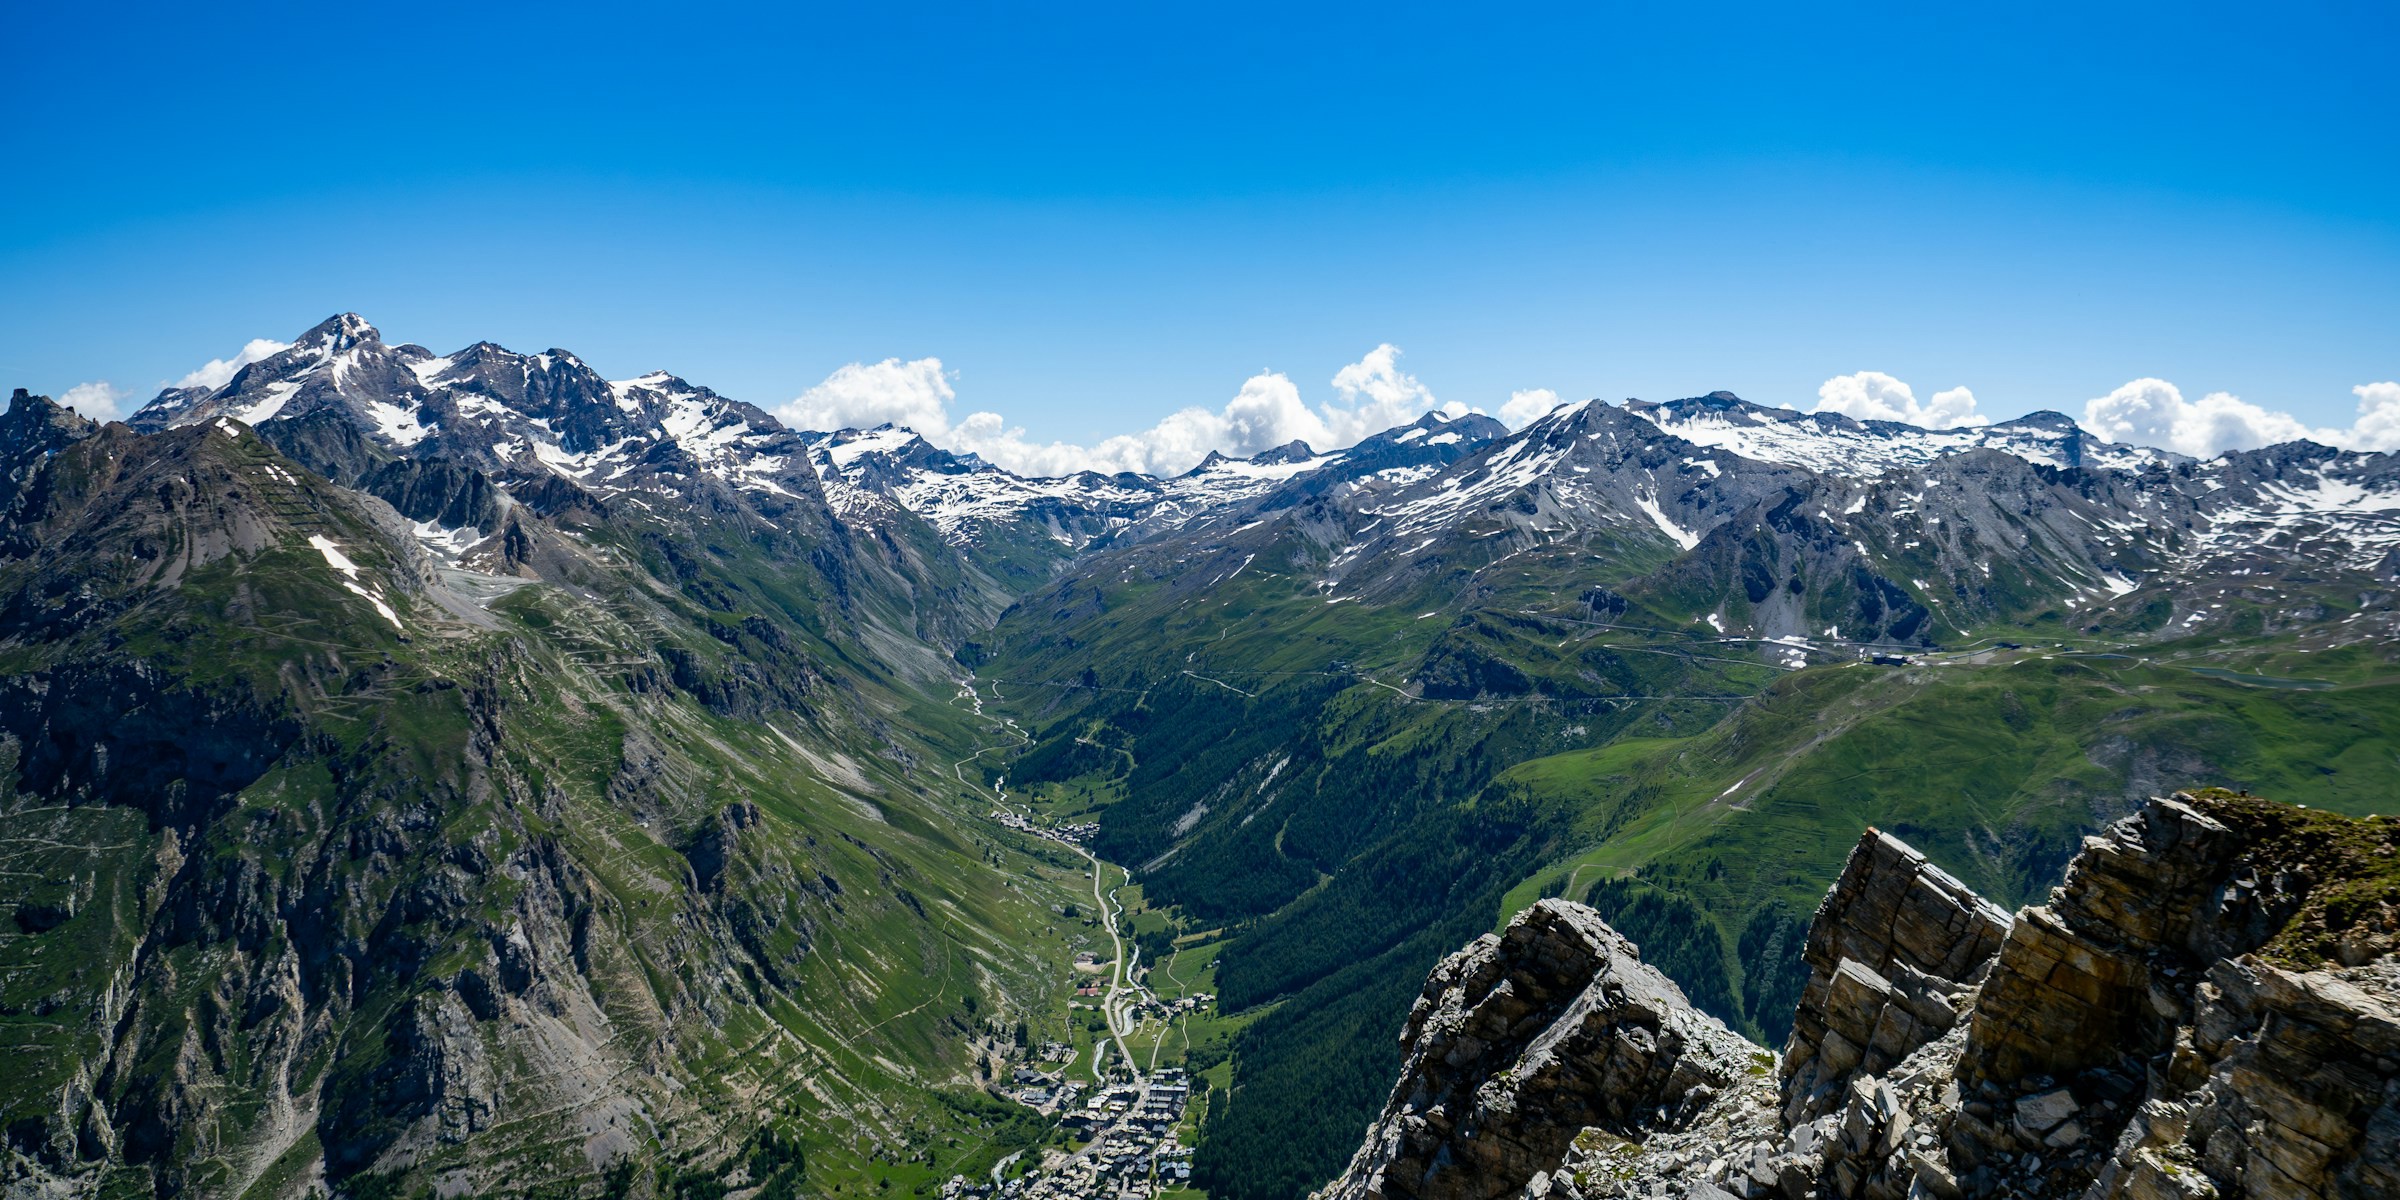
1267, 412
1172, 445
1875, 396
98, 400
1374, 394
1955, 406
219, 371
2153, 412
1527, 406
2378, 426
916, 394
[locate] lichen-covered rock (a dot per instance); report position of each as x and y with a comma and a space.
2151, 963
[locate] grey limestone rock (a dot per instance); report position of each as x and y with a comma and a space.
2138, 1037
1524, 1040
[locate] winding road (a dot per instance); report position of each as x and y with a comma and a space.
1120, 976
1123, 989
1120, 980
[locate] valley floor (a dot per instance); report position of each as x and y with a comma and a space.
1120, 1111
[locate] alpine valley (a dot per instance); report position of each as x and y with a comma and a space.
464, 775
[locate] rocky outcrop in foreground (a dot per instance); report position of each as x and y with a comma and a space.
1524, 1041
2208, 1006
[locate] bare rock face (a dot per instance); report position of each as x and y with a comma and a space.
2145, 1033
1894, 953
2208, 1007
1523, 1041
2074, 983
2294, 1090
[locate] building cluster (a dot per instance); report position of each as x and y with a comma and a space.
1150, 1106
1134, 1147
1129, 1127
1047, 1093
1167, 1010
1074, 834
1013, 821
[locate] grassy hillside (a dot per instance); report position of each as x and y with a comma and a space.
1355, 789
1714, 849
363, 875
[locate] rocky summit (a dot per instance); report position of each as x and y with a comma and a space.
2207, 1006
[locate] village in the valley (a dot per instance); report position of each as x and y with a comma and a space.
1123, 1124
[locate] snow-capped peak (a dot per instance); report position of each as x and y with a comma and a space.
504, 412
336, 333
1835, 444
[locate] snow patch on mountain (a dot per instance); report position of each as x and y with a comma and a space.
867, 473
340, 562
1832, 443
2305, 500
506, 412
1666, 525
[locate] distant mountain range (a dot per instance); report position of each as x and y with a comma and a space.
466, 772
1911, 506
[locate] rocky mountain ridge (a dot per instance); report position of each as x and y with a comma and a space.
1989, 526
980, 507
2207, 1006
347, 403
1834, 442
452, 440
346, 854
1893, 533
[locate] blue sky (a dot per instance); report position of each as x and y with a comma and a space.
1096, 216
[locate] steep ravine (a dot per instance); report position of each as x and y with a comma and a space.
2207, 1006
